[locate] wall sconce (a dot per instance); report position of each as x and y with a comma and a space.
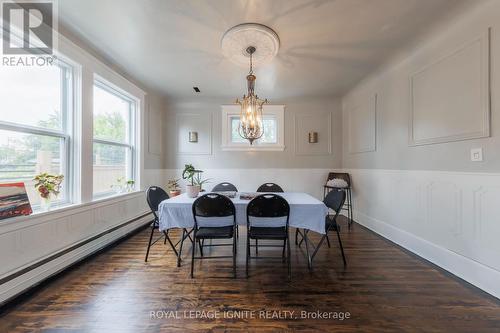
193, 137
313, 137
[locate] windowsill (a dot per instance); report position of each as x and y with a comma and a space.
110, 195
63, 208
247, 147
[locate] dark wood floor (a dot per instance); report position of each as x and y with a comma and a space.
383, 288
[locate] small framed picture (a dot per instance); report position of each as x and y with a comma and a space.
14, 200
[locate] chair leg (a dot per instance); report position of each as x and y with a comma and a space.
296, 236
170, 242
248, 255
149, 244
201, 247
328, 241
341, 248
350, 209
192, 255
234, 257
283, 252
256, 247
289, 259
180, 248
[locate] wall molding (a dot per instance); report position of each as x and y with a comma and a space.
469, 270
367, 105
248, 180
207, 126
483, 43
328, 151
34, 247
448, 218
12, 287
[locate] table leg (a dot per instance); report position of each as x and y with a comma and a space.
309, 258
180, 249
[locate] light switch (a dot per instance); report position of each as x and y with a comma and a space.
476, 154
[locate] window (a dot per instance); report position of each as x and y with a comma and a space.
272, 139
114, 139
36, 112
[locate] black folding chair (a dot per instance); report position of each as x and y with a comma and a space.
224, 187
227, 187
213, 205
270, 187
348, 202
154, 196
268, 206
334, 200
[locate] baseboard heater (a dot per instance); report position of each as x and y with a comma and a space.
65, 251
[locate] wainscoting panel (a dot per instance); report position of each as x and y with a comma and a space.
448, 218
436, 113
248, 180
26, 241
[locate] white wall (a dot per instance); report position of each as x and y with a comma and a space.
213, 157
291, 168
430, 198
392, 86
28, 240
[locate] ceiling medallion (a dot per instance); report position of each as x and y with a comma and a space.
236, 40
256, 44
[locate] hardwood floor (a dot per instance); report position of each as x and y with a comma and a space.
383, 288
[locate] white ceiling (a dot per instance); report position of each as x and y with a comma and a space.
326, 45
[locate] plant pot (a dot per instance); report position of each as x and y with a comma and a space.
192, 191
45, 204
174, 193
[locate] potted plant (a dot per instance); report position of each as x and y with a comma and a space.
49, 187
198, 181
189, 173
173, 187
122, 186
130, 185
119, 185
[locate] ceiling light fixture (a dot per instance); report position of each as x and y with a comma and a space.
260, 44
251, 127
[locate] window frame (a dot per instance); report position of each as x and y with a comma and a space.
66, 133
131, 140
232, 110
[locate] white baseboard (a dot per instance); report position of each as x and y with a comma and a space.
469, 270
22, 283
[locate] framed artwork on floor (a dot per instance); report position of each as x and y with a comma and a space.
14, 200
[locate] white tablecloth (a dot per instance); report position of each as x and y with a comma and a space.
306, 212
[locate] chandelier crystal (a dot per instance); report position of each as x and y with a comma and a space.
251, 125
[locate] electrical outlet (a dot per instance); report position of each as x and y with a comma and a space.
476, 154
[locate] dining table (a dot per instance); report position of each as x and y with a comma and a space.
307, 213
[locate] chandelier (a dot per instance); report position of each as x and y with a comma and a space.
251, 126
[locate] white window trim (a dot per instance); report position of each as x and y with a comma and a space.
66, 133
132, 137
85, 68
229, 111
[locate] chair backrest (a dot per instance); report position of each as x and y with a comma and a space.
155, 195
270, 187
335, 200
214, 205
224, 187
340, 175
267, 207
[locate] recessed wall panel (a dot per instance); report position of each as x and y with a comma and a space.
449, 98
362, 125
